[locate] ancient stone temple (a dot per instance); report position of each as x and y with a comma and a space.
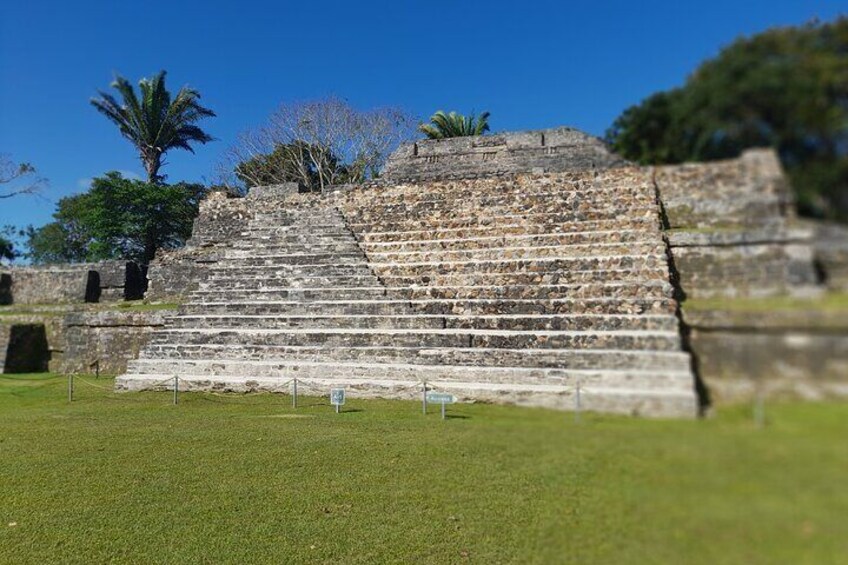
508, 268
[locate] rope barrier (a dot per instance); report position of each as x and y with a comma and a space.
79, 379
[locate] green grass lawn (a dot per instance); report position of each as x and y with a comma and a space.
246, 479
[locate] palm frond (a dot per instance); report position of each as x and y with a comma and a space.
445, 125
154, 121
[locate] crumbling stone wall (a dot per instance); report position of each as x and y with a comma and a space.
110, 337
72, 283
173, 274
551, 150
731, 228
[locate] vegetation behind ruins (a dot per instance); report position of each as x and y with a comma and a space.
785, 88
118, 218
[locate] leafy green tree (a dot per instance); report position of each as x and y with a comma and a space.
55, 243
786, 88
8, 250
153, 121
444, 125
118, 218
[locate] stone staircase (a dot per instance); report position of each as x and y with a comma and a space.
508, 289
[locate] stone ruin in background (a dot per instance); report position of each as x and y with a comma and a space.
508, 268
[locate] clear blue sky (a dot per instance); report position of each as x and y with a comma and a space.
531, 64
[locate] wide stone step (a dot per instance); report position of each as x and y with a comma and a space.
377, 213
295, 234
554, 322
214, 292
502, 194
284, 246
385, 203
517, 227
473, 221
297, 258
433, 306
364, 337
637, 288
597, 359
631, 401
540, 265
247, 267
533, 186
644, 248
314, 321
286, 370
523, 240
258, 280
522, 278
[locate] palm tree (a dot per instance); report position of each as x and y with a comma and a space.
154, 122
444, 125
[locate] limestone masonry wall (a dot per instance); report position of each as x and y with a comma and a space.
111, 338
74, 283
732, 230
551, 150
803, 352
173, 274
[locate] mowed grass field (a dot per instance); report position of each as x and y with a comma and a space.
130, 478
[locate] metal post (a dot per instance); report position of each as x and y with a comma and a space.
577, 405
70, 387
759, 407
424, 397
337, 408
294, 393
97, 369
443, 410
176, 389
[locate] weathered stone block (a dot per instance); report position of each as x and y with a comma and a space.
554, 150
802, 352
111, 338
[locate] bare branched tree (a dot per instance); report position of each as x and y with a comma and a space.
317, 143
18, 178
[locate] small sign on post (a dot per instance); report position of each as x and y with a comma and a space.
337, 397
442, 398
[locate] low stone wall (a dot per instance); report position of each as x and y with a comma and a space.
110, 337
797, 352
173, 274
552, 150
744, 263
72, 283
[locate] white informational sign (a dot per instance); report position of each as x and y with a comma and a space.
442, 398
337, 396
